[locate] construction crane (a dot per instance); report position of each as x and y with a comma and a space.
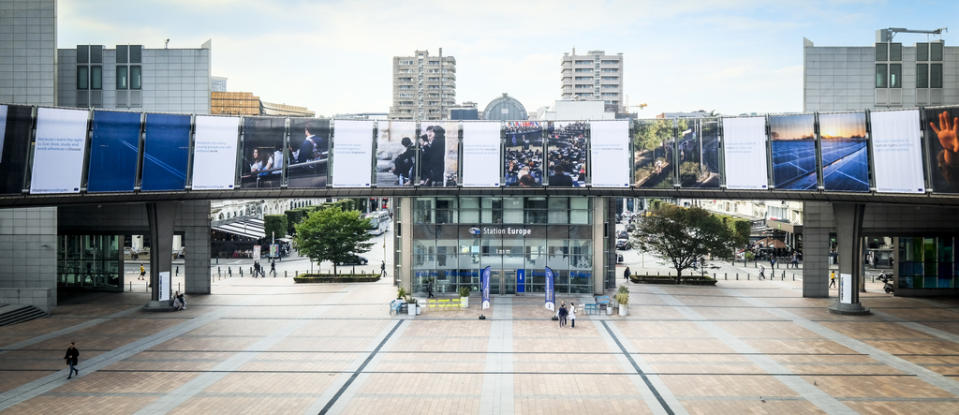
885, 35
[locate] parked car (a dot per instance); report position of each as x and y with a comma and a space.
623, 244
353, 260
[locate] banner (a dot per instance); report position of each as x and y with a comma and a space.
654, 144
550, 290
845, 288
114, 148
58, 151
523, 155
896, 147
352, 153
520, 281
3, 127
396, 153
439, 154
166, 151
214, 152
942, 145
257, 251
845, 155
609, 148
793, 140
484, 277
309, 153
481, 148
744, 142
164, 286
566, 153
698, 152
14, 147
274, 250
262, 165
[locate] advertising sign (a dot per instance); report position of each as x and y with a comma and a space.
654, 145
164, 286
794, 151
698, 152
166, 151
942, 146
14, 147
523, 155
439, 153
262, 165
744, 142
274, 250
352, 153
58, 151
3, 127
897, 152
214, 152
309, 153
481, 143
114, 148
566, 147
484, 277
550, 290
396, 153
845, 288
257, 251
609, 148
520, 281
845, 155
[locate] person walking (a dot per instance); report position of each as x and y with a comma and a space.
429, 288
832, 279
273, 267
382, 269
626, 274
572, 315
73, 358
795, 260
563, 313
142, 271
762, 272
772, 261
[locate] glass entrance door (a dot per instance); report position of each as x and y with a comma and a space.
502, 281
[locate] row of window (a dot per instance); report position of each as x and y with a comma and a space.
889, 75
93, 54
529, 210
924, 52
91, 77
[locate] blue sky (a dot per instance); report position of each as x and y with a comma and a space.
336, 56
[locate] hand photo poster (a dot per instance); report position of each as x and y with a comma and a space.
845, 155
609, 148
166, 151
481, 143
699, 152
262, 165
794, 151
309, 153
395, 153
58, 151
895, 146
744, 142
439, 153
523, 155
214, 152
566, 146
653, 146
352, 153
114, 148
942, 145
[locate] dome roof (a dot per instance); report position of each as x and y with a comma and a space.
505, 108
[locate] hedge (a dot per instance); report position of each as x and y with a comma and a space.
671, 279
329, 278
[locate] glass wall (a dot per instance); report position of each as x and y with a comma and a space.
454, 239
927, 262
92, 262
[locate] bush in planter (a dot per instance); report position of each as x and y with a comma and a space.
464, 291
622, 295
400, 293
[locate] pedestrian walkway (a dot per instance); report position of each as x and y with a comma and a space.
271, 346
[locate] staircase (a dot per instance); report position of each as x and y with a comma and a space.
13, 314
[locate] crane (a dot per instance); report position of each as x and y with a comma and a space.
885, 35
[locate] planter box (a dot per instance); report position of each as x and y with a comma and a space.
661, 279
329, 278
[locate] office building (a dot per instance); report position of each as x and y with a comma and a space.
234, 103
28, 41
218, 84
594, 76
424, 86
465, 111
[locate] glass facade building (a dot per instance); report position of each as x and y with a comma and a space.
928, 262
93, 262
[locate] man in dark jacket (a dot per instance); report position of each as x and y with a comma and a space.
72, 357
558, 178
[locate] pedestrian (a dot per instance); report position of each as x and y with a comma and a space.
563, 312
143, 271
177, 304
182, 301
626, 274
762, 272
572, 315
382, 268
273, 267
429, 288
772, 261
256, 268
832, 279
795, 260
72, 357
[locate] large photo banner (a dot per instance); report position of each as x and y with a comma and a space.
214, 152
262, 165
352, 153
943, 148
794, 151
14, 147
699, 152
481, 143
58, 151
523, 156
395, 153
897, 151
845, 155
609, 148
114, 148
654, 145
166, 152
566, 147
309, 153
439, 153
744, 142
3, 127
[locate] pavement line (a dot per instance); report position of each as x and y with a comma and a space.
67, 330
496, 396
665, 406
934, 332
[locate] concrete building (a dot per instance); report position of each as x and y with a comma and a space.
594, 76
423, 86
465, 111
28, 42
505, 108
271, 108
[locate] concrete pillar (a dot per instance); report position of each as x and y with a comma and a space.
195, 222
160, 216
849, 218
599, 222
817, 224
404, 270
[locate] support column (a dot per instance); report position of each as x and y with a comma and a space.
849, 236
160, 215
403, 272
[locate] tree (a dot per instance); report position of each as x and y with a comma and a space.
333, 234
275, 226
684, 236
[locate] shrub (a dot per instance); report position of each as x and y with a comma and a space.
465, 291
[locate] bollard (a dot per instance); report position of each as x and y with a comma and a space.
284, 273
737, 276
229, 271
241, 271
178, 286
747, 277
217, 271
726, 276
131, 286
296, 273
784, 276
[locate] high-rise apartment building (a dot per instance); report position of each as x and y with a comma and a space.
424, 86
594, 76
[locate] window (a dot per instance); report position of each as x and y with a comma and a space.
882, 52
922, 75
135, 77
895, 75
895, 51
881, 75
122, 81
83, 54
935, 51
922, 51
96, 53
122, 53
935, 75
96, 77
136, 52
83, 77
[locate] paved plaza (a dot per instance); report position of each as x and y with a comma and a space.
261, 346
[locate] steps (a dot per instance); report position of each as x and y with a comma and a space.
13, 314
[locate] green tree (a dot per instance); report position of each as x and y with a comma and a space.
684, 235
333, 234
275, 226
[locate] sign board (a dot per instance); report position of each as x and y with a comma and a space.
520, 281
164, 286
845, 288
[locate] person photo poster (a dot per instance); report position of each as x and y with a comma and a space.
895, 146
14, 146
744, 140
609, 148
114, 148
309, 153
481, 143
523, 156
352, 153
214, 152
395, 153
58, 151
262, 165
845, 155
566, 148
166, 152
653, 148
699, 152
793, 139
942, 145
439, 153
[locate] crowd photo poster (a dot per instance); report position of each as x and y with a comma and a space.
793, 139
609, 148
166, 152
523, 156
214, 152
897, 152
654, 145
352, 153
395, 153
845, 153
942, 145
566, 146
262, 165
744, 140
481, 144
309, 153
14, 146
114, 148
59, 150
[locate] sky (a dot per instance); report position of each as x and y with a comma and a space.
334, 57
